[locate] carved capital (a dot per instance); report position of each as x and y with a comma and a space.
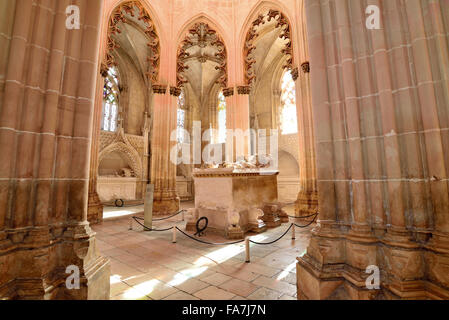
228, 92
175, 91
104, 70
295, 73
159, 89
244, 89
305, 67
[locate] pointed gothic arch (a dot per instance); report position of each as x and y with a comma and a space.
121, 13
265, 12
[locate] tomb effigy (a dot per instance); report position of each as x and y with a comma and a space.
234, 198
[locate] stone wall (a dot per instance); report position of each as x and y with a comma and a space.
46, 112
380, 114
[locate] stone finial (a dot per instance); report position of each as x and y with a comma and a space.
305, 67
244, 90
175, 91
228, 92
159, 89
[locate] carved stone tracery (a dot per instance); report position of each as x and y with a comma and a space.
202, 35
252, 35
120, 142
121, 14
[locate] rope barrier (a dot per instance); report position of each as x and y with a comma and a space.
246, 240
149, 229
304, 217
206, 242
124, 206
274, 241
161, 219
310, 223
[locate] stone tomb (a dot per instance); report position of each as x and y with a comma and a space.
232, 200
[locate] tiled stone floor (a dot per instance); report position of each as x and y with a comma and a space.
147, 265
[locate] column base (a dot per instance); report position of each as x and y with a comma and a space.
307, 205
331, 283
166, 206
258, 227
335, 267
38, 271
270, 216
94, 209
235, 233
283, 216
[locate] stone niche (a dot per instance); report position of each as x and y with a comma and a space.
232, 200
112, 188
122, 166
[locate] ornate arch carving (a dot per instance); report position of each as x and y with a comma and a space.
202, 34
120, 15
252, 35
122, 145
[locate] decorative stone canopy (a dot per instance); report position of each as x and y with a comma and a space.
253, 35
200, 45
132, 12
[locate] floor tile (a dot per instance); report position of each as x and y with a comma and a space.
180, 296
214, 293
280, 286
264, 294
192, 286
216, 279
239, 287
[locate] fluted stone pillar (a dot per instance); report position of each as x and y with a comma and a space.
95, 207
46, 114
307, 202
379, 105
229, 94
163, 170
237, 119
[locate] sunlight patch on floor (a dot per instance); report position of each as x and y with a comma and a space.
178, 279
115, 279
224, 254
194, 272
146, 287
286, 271
258, 238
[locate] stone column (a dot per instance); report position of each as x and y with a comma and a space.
230, 121
379, 106
163, 171
307, 203
239, 120
95, 207
45, 131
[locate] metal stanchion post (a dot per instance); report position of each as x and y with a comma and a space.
148, 207
247, 250
130, 223
183, 218
174, 235
293, 232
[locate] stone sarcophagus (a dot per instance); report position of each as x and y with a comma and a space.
232, 200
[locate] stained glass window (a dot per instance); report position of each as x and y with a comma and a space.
110, 101
221, 118
181, 117
289, 123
